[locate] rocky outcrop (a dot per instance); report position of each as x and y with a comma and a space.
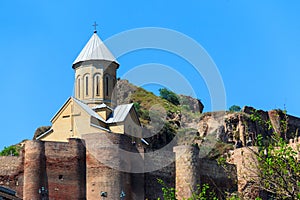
124, 91
193, 104
246, 125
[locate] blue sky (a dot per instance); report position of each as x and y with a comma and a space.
255, 45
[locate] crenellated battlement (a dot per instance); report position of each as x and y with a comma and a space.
295, 141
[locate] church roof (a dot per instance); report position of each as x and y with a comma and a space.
103, 105
95, 49
120, 113
87, 109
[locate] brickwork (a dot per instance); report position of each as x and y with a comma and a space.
66, 169
34, 169
106, 155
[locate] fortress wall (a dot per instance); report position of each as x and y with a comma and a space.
221, 178
66, 169
246, 164
34, 169
164, 163
106, 155
295, 144
12, 173
187, 170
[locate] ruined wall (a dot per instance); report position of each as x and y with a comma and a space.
158, 165
295, 144
246, 163
12, 173
221, 179
187, 170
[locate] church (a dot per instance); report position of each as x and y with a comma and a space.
93, 108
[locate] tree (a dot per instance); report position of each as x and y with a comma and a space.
279, 169
10, 151
235, 108
278, 165
169, 96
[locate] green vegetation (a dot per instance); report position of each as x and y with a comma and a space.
202, 193
235, 108
278, 166
279, 169
169, 96
13, 150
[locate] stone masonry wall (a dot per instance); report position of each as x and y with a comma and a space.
107, 163
34, 169
246, 164
12, 173
158, 165
187, 170
66, 169
221, 179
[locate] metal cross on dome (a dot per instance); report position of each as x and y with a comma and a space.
95, 27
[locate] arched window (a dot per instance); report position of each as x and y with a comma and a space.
97, 85
86, 86
78, 87
106, 85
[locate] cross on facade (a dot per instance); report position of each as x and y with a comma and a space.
95, 27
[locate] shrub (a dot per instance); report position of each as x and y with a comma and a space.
169, 96
235, 108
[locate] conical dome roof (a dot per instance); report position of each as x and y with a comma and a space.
95, 49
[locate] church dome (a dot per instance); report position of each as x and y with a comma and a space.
95, 49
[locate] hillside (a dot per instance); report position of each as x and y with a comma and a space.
164, 121
217, 131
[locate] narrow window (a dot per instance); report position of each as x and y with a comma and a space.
106, 85
61, 177
97, 86
86, 85
78, 88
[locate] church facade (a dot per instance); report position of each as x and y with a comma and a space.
93, 108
